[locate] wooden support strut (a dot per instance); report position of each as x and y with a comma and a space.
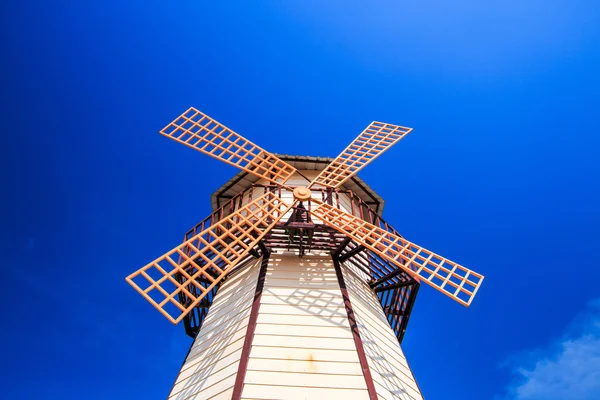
391, 275
362, 357
338, 251
254, 253
352, 252
394, 286
249, 337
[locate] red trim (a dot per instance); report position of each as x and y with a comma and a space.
242, 367
364, 365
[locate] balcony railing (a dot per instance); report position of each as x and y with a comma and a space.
395, 289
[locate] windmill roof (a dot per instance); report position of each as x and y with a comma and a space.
243, 180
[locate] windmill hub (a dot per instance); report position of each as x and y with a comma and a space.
301, 193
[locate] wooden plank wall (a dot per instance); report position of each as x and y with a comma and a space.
390, 370
210, 368
303, 347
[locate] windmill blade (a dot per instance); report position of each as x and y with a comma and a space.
205, 258
372, 142
200, 132
450, 278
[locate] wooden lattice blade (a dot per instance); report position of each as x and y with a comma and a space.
372, 142
187, 273
450, 278
200, 132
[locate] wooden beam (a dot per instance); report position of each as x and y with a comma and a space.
352, 252
362, 357
391, 275
341, 248
238, 386
394, 286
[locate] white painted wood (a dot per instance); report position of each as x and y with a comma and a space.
303, 342
346, 205
321, 301
305, 366
211, 346
305, 277
211, 366
300, 380
303, 307
306, 320
387, 363
303, 347
218, 324
313, 353
301, 287
218, 369
308, 292
217, 389
226, 395
206, 358
252, 391
337, 332
303, 354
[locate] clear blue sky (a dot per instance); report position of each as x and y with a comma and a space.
501, 173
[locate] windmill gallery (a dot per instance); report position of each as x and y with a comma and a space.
294, 287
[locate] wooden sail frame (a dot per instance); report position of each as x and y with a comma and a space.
370, 144
191, 271
207, 256
450, 278
197, 130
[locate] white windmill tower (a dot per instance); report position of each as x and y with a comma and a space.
294, 287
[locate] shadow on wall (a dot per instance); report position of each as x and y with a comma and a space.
219, 343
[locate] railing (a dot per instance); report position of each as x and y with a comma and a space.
356, 206
395, 288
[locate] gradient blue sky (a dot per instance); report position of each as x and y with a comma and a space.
500, 174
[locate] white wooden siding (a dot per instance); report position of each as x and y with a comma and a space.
391, 374
303, 347
210, 369
346, 204
254, 391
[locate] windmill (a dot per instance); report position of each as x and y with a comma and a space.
295, 286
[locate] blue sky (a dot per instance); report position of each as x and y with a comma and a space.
501, 173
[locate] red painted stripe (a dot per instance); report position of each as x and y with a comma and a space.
242, 367
364, 365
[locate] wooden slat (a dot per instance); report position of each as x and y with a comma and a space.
304, 320
304, 380
301, 354
340, 332
304, 366
450, 278
197, 130
218, 345
253, 391
215, 383
243, 365
224, 243
303, 308
386, 359
358, 339
370, 144
297, 300
205, 369
208, 346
